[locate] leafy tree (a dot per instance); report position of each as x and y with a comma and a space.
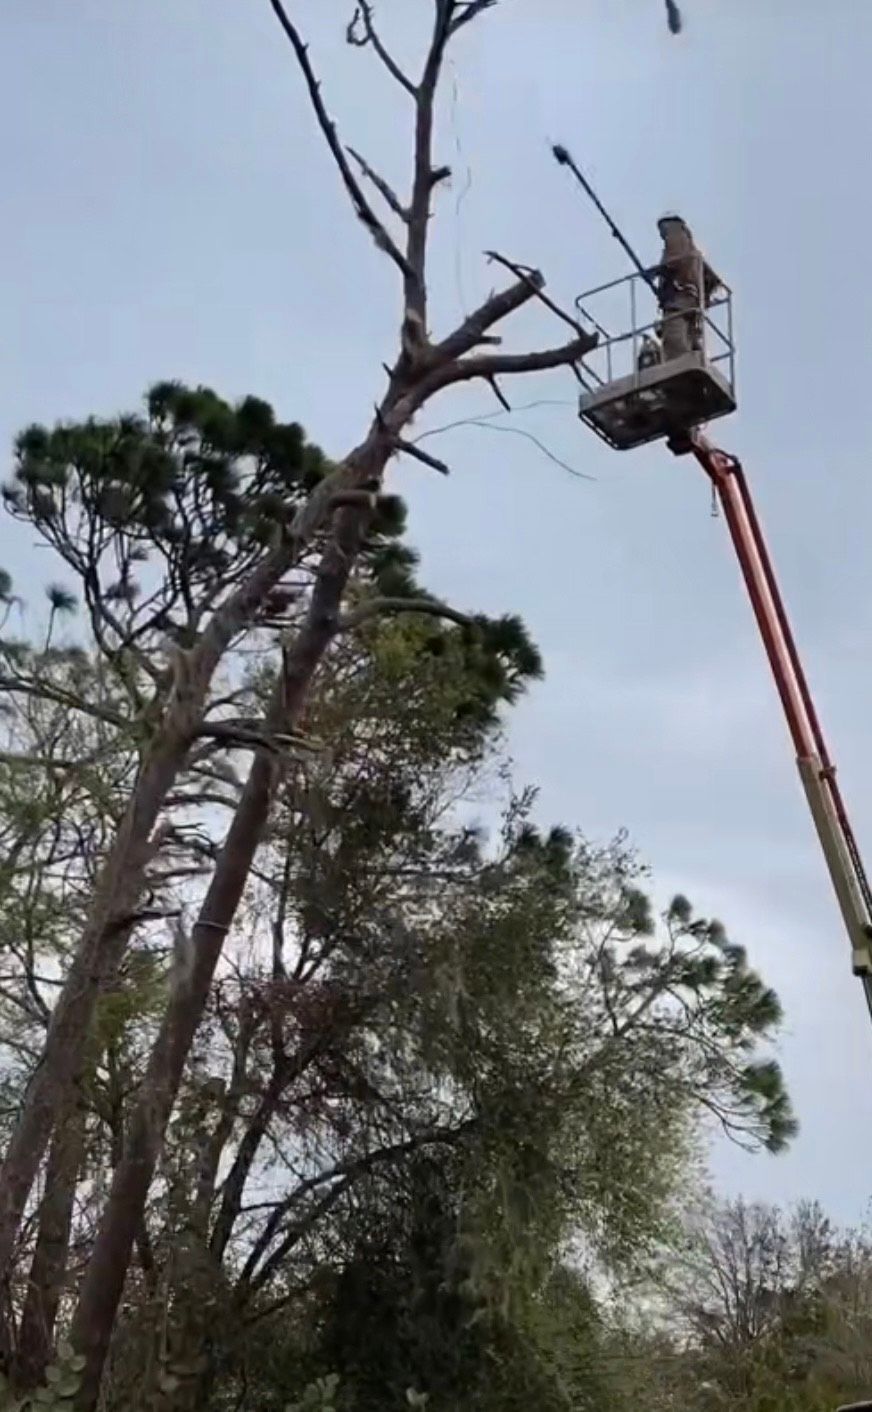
493, 1034
411, 1018
764, 1310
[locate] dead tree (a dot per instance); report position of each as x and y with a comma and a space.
337, 513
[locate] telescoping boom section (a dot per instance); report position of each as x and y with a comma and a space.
816, 768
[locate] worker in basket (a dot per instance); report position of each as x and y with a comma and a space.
685, 287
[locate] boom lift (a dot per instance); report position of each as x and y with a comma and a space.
629, 401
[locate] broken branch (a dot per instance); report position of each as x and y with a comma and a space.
524, 272
408, 448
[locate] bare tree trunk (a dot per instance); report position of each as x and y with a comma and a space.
107, 1268
49, 1265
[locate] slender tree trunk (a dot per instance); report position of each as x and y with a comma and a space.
99, 952
104, 1278
234, 1185
49, 1265
104, 939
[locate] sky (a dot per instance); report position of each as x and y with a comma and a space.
171, 212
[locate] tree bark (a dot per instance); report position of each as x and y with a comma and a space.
104, 939
99, 953
49, 1265
104, 1278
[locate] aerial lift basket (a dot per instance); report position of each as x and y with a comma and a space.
628, 404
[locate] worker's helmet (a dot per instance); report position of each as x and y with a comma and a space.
670, 218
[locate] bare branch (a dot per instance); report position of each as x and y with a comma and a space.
491, 365
362, 207
500, 395
470, 333
370, 36
408, 448
377, 607
253, 735
381, 186
344, 1173
525, 272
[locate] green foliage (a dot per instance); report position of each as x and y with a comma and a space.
161, 516
438, 1060
197, 480
762, 1311
63, 1379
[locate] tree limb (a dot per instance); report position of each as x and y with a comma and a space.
381, 186
375, 607
362, 207
364, 12
343, 1173
408, 448
500, 395
469, 334
491, 365
523, 272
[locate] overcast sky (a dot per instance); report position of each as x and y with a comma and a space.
170, 212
